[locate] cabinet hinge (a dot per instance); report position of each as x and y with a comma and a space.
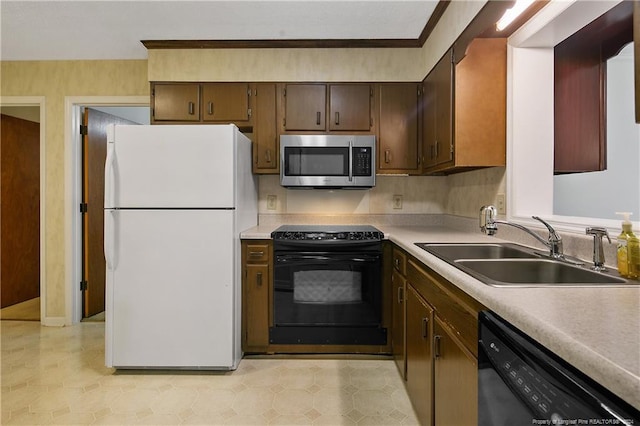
83, 285
84, 130
451, 148
83, 207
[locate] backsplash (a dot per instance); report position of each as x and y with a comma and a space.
459, 194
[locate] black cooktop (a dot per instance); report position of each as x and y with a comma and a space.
327, 232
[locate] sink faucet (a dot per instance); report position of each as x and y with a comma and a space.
598, 250
489, 226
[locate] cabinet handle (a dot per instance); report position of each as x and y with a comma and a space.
436, 346
337, 118
387, 156
192, 107
400, 295
267, 156
425, 323
318, 118
259, 278
437, 149
210, 107
256, 254
396, 262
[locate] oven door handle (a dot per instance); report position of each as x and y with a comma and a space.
291, 258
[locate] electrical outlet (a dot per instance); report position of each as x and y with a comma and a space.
397, 201
501, 204
272, 201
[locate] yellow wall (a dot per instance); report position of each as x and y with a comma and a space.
54, 80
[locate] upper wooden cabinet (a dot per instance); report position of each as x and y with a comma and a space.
465, 120
437, 141
398, 127
175, 102
201, 103
350, 107
304, 107
265, 135
315, 107
226, 102
580, 99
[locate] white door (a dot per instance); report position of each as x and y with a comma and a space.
170, 166
170, 288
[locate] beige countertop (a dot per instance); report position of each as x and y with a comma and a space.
596, 329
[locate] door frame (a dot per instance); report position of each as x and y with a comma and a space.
73, 192
39, 101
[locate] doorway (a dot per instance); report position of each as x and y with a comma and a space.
95, 121
20, 212
23, 272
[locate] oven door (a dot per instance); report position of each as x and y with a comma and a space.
327, 298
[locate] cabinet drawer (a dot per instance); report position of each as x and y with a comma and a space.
454, 306
257, 253
399, 261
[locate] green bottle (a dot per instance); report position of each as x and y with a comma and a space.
628, 250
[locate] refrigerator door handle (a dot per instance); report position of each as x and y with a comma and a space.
109, 182
109, 237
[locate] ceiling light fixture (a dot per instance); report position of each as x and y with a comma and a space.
511, 14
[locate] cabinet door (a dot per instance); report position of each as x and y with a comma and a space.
398, 291
265, 138
419, 356
350, 107
256, 306
456, 379
438, 106
175, 102
398, 132
225, 102
305, 107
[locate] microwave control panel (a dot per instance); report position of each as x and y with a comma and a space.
362, 161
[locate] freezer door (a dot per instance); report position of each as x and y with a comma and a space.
170, 166
170, 289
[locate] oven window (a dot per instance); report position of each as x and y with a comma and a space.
334, 293
316, 161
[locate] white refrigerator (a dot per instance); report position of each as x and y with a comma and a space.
177, 198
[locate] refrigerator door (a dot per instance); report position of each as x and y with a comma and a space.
170, 289
170, 166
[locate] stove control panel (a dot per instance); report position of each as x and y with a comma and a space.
291, 234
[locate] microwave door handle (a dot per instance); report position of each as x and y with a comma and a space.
350, 161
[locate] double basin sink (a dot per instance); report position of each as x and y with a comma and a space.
512, 265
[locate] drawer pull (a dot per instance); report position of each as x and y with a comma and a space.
259, 279
256, 254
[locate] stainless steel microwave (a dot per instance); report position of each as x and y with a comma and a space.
327, 161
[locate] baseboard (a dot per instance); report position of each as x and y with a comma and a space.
53, 321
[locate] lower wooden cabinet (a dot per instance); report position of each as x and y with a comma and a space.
419, 356
455, 379
256, 282
440, 334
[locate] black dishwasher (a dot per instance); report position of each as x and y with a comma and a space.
522, 383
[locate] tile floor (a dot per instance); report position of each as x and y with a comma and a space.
56, 376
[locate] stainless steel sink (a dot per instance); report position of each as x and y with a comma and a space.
534, 272
512, 265
452, 252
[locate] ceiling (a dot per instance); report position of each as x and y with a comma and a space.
68, 30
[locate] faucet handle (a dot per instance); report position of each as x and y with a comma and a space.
487, 216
